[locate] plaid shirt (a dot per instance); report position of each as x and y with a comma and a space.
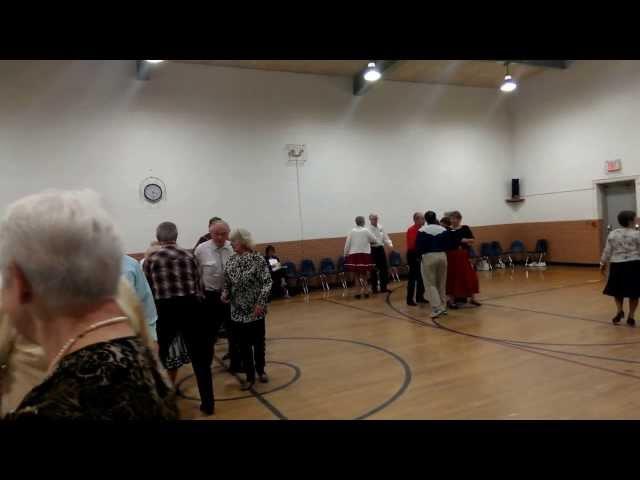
173, 272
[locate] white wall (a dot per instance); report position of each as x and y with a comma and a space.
216, 137
566, 125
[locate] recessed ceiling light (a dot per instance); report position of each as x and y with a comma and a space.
154, 61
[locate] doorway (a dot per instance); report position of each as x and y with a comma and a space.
615, 197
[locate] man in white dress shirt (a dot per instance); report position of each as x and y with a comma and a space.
212, 256
379, 255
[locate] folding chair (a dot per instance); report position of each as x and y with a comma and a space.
307, 272
327, 269
395, 262
341, 273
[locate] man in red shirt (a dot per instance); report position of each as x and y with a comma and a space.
415, 285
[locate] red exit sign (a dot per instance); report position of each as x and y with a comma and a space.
614, 165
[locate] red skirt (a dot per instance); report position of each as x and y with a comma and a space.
359, 262
462, 280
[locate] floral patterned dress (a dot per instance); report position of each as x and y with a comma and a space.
107, 381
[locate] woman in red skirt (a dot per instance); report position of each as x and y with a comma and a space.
357, 254
462, 280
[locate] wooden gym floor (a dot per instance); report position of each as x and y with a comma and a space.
541, 347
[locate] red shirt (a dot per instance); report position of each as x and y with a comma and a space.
412, 233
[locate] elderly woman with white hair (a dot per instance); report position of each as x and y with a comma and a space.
60, 262
247, 286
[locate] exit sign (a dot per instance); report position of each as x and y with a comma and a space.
613, 165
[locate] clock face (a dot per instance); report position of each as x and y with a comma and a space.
153, 192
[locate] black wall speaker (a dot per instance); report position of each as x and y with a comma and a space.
515, 187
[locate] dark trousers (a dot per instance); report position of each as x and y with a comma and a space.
251, 343
218, 314
184, 315
276, 277
381, 272
415, 285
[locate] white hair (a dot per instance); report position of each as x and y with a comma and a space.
66, 245
244, 237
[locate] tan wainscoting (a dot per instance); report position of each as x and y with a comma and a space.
576, 241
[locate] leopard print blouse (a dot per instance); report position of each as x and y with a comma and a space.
248, 283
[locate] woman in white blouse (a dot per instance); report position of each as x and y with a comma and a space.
622, 253
357, 253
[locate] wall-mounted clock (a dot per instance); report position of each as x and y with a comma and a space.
153, 192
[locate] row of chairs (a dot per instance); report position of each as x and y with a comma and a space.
492, 255
329, 270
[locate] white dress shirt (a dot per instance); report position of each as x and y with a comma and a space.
359, 240
381, 236
212, 260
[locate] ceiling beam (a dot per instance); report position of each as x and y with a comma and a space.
361, 86
558, 64
143, 69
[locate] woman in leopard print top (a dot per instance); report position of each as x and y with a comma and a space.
247, 286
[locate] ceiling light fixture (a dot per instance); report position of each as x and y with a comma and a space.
154, 61
372, 74
509, 84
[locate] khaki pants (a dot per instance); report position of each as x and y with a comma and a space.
434, 276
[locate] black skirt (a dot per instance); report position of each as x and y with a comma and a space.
624, 280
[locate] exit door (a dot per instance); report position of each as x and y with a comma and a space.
615, 197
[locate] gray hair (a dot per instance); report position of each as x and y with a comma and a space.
66, 245
244, 237
167, 232
360, 221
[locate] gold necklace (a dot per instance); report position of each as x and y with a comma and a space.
69, 343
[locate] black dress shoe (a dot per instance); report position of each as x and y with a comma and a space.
358, 296
618, 317
631, 322
411, 303
247, 385
207, 410
452, 306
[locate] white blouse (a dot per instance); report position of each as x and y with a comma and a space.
623, 245
359, 240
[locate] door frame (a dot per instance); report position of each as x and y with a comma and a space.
599, 197
603, 181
